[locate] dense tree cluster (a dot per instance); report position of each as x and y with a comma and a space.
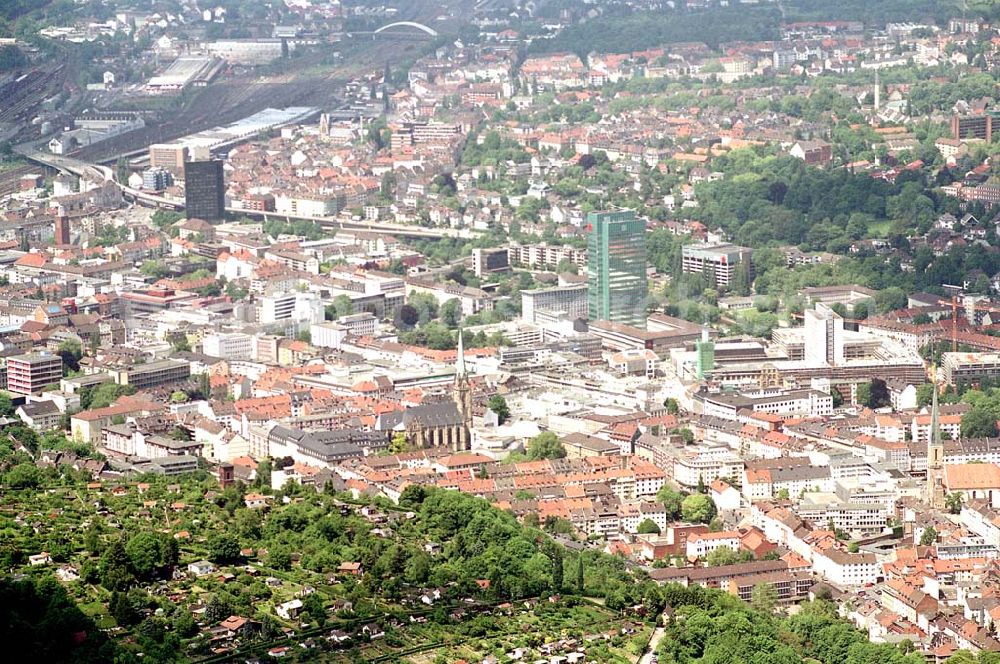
103, 395
695, 507
709, 626
39, 622
11, 57
649, 29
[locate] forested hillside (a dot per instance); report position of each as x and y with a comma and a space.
737, 23
490, 575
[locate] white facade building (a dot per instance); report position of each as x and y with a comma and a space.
228, 345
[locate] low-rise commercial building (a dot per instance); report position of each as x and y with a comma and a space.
151, 374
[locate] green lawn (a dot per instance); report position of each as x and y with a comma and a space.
98, 611
879, 228
93, 608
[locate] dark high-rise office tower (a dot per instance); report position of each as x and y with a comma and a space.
616, 267
61, 227
205, 190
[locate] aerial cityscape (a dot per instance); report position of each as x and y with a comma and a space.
496, 331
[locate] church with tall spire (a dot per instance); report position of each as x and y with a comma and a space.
444, 422
462, 393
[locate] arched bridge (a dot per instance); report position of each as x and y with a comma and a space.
408, 24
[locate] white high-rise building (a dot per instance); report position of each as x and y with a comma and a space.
299, 307
824, 336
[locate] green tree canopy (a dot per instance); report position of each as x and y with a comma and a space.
499, 406
698, 508
671, 500
223, 548
545, 445
979, 423
648, 526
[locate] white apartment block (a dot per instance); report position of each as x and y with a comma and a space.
634, 513
699, 546
850, 517
705, 464
846, 569
363, 324
776, 402
328, 335
719, 261
301, 307
544, 255
306, 206
228, 345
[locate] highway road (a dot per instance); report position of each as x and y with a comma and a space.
104, 173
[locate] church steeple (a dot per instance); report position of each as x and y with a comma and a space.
460, 360
463, 397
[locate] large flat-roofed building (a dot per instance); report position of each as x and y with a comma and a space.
151, 374
616, 267
969, 367
247, 51
174, 465
184, 71
680, 331
847, 295
168, 156
566, 301
617, 336
328, 335
228, 345
174, 155
205, 190
718, 262
777, 402
155, 299
28, 374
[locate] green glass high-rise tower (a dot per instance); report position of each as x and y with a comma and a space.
705, 357
616, 267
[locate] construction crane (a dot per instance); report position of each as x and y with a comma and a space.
954, 316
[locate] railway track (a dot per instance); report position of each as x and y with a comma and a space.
229, 100
21, 96
10, 180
